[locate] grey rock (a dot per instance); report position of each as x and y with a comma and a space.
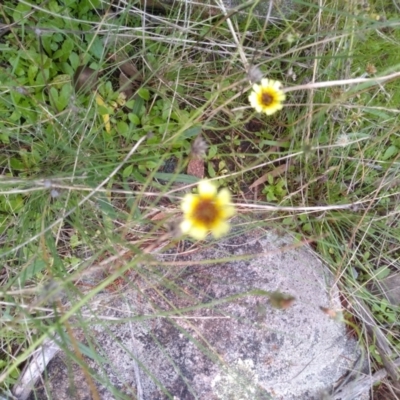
277, 10
280, 9
389, 288
172, 335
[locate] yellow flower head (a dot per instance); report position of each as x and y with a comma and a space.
206, 211
267, 97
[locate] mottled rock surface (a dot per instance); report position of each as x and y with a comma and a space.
188, 330
280, 9
389, 288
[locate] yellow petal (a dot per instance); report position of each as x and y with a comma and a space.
252, 98
276, 85
188, 203
198, 232
256, 88
269, 111
227, 212
207, 189
106, 120
224, 196
223, 200
185, 226
121, 100
221, 229
99, 100
106, 117
254, 102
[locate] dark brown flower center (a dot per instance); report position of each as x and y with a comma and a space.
266, 99
206, 212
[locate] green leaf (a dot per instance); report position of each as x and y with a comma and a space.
74, 241
211, 170
97, 48
4, 222
134, 119
74, 60
377, 113
307, 227
182, 178
53, 92
138, 176
42, 77
122, 128
66, 49
106, 206
12, 203
61, 80
193, 131
151, 164
138, 106
213, 151
54, 7
32, 270
144, 94
390, 152
271, 196
67, 69
127, 171
64, 97
4, 138
32, 72
382, 272
274, 143
103, 110
20, 11
16, 164
166, 109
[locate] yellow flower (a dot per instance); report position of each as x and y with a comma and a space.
121, 100
206, 211
106, 117
267, 97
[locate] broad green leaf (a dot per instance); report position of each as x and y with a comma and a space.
12, 203
60, 80
74, 60
53, 92
106, 206
138, 106
97, 48
64, 97
390, 152
32, 72
182, 178
127, 171
20, 11
193, 131
17, 164
211, 170
36, 267
134, 119
382, 272
122, 128
166, 109
144, 94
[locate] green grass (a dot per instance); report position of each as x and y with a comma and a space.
71, 197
